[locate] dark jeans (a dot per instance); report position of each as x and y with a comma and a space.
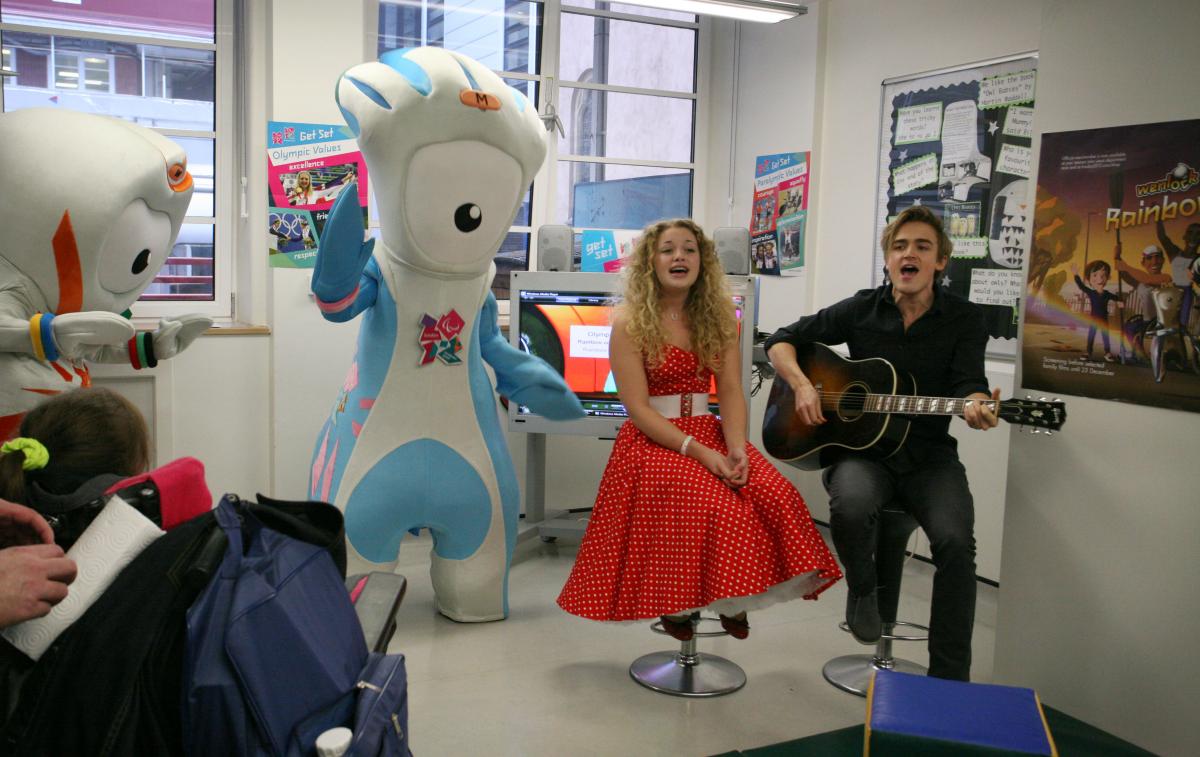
935, 493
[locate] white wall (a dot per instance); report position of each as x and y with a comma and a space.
1099, 608
309, 355
814, 83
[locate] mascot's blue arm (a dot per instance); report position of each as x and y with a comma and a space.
341, 280
522, 377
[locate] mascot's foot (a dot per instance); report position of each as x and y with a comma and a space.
460, 617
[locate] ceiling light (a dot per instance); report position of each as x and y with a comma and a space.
762, 11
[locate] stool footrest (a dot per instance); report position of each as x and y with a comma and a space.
892, 636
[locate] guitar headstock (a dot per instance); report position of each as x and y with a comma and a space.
1042, 414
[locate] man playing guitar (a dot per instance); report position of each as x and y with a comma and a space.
939, 338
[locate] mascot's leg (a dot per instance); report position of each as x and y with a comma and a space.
427, 483
469, 575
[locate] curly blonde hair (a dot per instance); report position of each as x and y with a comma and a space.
709, 305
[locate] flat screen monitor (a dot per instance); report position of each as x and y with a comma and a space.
564, 318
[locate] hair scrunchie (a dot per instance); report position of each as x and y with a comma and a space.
36, 454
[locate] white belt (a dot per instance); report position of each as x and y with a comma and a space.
680, 405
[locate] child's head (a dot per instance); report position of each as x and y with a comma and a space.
1097, 273
87, 433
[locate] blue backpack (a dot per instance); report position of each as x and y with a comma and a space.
275, 653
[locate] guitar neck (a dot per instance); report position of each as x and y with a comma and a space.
911, 405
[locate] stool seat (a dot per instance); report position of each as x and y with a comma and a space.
688, 673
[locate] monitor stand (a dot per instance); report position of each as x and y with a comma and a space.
547, 526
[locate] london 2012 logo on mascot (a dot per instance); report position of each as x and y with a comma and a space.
413, 439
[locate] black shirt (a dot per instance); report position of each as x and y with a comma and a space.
942, 350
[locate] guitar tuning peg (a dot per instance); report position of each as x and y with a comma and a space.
1048, 432
1028, 396
1042, 399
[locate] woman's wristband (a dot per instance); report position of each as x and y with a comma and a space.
683, 448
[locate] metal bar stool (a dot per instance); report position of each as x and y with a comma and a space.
853, 672
688, 673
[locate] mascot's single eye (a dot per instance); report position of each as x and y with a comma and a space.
468, 217
140, 263
178, 176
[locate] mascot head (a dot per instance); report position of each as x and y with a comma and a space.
452, 150
92, 205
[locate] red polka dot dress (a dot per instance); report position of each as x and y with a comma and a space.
667, 536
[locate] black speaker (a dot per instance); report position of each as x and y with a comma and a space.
733, 248
555, 247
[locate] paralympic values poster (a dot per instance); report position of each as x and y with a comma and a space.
780, 213
1113, 288
308, 166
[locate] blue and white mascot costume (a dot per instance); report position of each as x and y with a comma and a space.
414, 439
91, 209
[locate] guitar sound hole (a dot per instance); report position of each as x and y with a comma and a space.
850, 404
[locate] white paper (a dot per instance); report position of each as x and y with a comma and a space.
116, 536
996, 286
1007, 89
970, 247
919, 123
1015, 160
915, 174
1019, 121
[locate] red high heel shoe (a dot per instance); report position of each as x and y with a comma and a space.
680, 630
738, 628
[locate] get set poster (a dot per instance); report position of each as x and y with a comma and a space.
959, 143
308, 166
780, 212
1112, 308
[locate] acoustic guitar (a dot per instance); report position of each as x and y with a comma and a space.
868, 405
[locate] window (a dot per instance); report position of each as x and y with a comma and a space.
622, 79
501, 34
627, 99
159, 65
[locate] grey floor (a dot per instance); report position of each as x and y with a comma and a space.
544, 682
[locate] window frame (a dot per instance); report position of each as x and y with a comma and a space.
227, 192
543, 207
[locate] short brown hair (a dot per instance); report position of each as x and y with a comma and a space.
88, 432
918, 214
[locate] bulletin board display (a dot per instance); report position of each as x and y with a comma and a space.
959, 141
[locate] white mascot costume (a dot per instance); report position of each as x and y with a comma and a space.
90, 211
414, 439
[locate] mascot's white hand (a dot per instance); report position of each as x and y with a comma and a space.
173, 335
74, 333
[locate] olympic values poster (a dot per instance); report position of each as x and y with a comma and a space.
959, 142
308, 166
1112, 307
780, 212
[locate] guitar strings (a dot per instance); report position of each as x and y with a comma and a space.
841, 399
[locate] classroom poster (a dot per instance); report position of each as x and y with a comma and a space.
959, 142
308, 166
605, 250
1112, 309
779, 213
